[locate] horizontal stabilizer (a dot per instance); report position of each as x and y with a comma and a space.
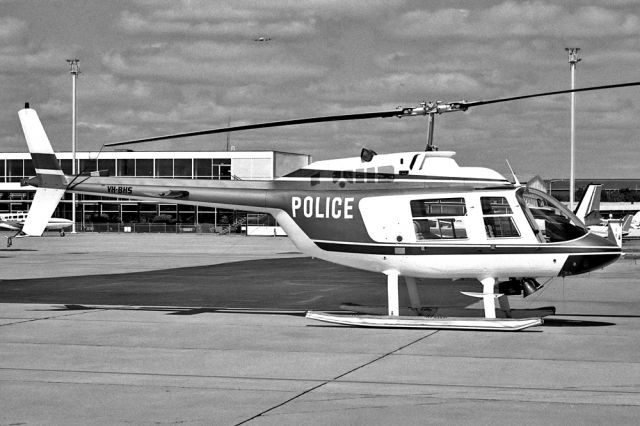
481, 295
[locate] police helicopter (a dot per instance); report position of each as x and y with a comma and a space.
410, 214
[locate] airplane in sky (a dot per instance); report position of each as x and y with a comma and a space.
410, 214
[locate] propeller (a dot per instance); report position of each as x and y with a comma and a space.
425, 108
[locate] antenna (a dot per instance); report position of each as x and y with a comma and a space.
515, 178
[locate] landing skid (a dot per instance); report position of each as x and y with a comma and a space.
449, 311
443, 318
453, 323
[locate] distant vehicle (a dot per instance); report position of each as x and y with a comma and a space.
262, 38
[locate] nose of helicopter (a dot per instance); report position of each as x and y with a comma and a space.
592, 252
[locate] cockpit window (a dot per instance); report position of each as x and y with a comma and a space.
550, 217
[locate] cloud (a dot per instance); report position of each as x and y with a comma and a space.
135, 23
412, 87
213, 63
265, 9
161, 66
11, 29
282, 20
16, 60
519, 19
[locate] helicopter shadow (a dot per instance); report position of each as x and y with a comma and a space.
297, 284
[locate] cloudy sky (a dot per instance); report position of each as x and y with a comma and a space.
152, 67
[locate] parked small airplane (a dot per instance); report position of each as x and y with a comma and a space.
16, 221
411, 214
588, 211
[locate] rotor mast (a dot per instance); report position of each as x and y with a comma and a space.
431, 124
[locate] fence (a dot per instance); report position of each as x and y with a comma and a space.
177, 228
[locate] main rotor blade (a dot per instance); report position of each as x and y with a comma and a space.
424, 109
362, 116
467, 104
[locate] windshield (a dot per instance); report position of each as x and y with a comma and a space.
552, 220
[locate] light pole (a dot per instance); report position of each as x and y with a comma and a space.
74, 71
573, 60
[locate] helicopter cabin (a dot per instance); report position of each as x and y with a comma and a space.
515, 215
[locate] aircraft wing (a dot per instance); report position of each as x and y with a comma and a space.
14, 226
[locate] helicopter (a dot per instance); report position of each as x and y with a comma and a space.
412, 214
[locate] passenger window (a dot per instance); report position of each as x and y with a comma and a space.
495, 205
441, 218
498, 220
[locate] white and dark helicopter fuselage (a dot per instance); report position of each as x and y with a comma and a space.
435, 220
414, 214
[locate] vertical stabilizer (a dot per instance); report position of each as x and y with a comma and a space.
588, 209
615, 233
51, 181
626, 224
46, 164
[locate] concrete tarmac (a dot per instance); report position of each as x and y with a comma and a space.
136, 347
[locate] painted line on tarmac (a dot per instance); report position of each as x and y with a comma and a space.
430, 333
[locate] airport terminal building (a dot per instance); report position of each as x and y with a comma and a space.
619, 197
96, 211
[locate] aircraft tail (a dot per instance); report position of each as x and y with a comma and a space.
615, 233
48, 171
588, 209
50, 179
626, 223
